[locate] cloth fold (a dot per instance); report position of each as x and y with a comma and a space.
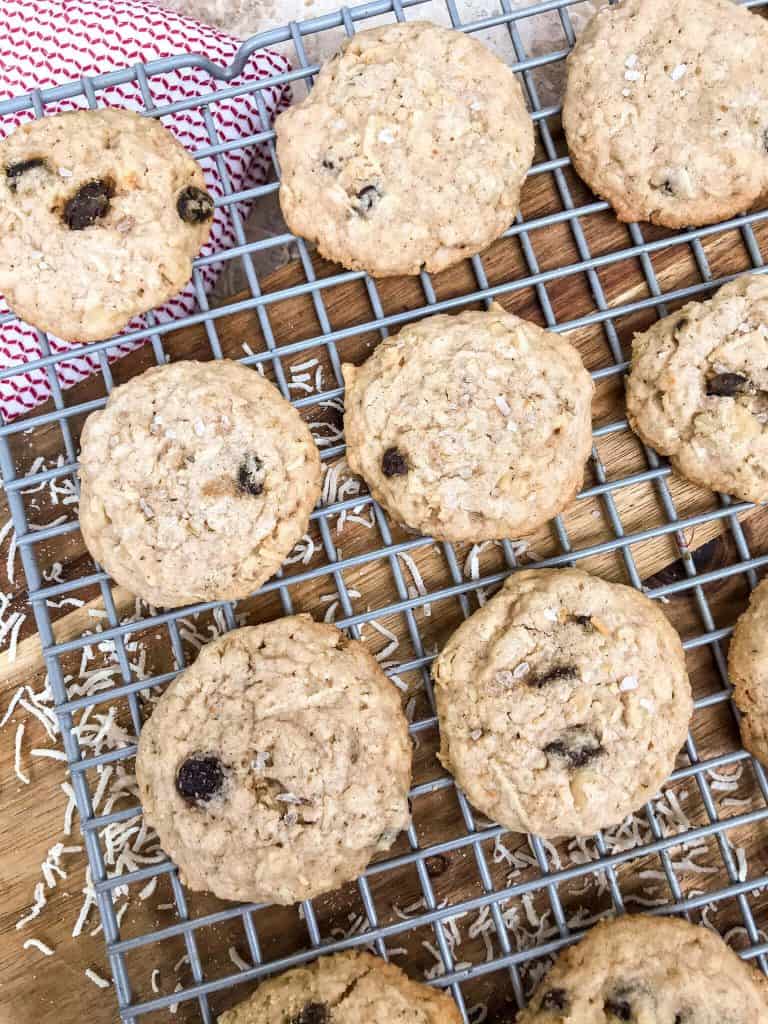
51, 42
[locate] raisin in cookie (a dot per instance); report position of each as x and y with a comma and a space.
666, 109
197, 480
277, 765
698, 389
562, 702
748, 668
348, 988
409, 152
649, 970
101, 214
470, 427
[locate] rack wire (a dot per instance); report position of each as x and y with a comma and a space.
466, 839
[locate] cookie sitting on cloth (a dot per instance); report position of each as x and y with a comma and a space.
50, 42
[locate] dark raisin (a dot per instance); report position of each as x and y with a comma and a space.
554, 674
577, 747
14, 171
312, 1013
666, 188
88, 204
583, 620
436, 865
394, 463
554, 999
681, 323
367, 198
328, 163
618, 1008
200, 777
250, 475
193, 205
726, 385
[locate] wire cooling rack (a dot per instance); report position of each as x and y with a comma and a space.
452, 864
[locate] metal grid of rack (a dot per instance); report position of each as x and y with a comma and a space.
507, 963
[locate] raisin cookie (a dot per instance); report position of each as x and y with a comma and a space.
277, 765
698, 389
408, 154
666, 109
748, 668
197, 480
348, 988
650, 970
101, 214
470, 427
562, 702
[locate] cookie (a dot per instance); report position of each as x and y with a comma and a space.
197, 479
348, 988
278, 764
748, 669
649, 970
698, 389
101, 214
562, 702
408, 154
666, 109
470, 427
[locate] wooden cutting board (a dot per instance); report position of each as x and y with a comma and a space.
34, 988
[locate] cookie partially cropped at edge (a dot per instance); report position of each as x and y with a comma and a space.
408, 154
698, 389
654, 969
748, 669
666, 109
278, 764
101, 214
562, 702
347, 988
470, 427
197, 480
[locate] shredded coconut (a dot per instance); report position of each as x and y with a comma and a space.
237, 960
39, 945
40, 902
96, 978
393, 644
17, 754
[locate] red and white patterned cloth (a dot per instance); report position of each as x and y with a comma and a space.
50, 42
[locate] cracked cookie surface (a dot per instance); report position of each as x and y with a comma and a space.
278, 764
101, 214
650, 971
347, 988
470, 427
409, 153
562, 702
748, 669
197, 480
666, 109
698, 389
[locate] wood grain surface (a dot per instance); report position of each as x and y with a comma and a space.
35, 988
